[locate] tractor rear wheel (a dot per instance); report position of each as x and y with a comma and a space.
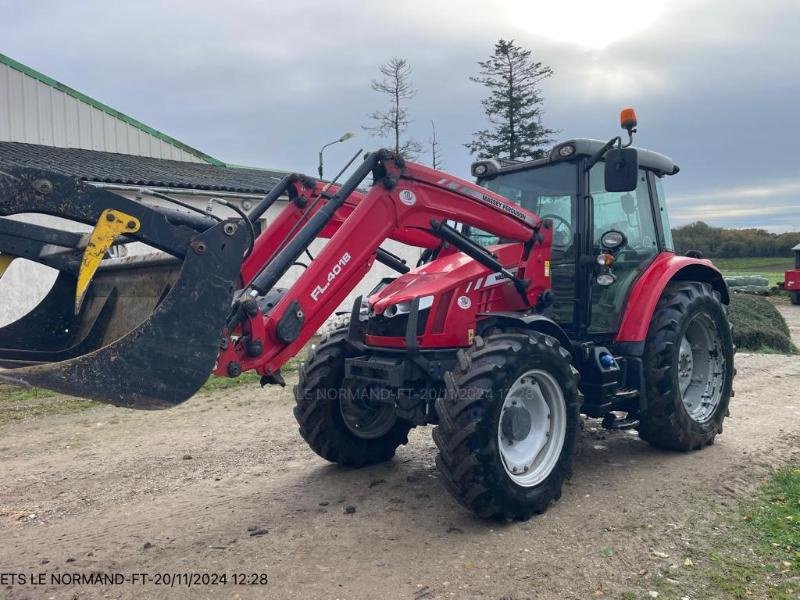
508, 424
688, 368
341, 422
795, 297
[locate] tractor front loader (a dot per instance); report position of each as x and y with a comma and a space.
547, 289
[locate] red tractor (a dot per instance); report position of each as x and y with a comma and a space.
547, 290
791, 279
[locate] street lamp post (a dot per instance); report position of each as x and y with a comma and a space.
344, 138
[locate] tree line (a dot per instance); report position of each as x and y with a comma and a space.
513, 107
719, 242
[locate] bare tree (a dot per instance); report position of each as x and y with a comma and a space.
393, 122
436, 158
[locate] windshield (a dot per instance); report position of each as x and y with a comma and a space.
545, 191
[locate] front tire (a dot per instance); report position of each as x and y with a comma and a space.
795, 297
508, 424
334, 433
688, 364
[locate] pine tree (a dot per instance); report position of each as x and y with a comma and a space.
514, 105
393, 122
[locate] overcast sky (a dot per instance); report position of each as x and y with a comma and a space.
715, 83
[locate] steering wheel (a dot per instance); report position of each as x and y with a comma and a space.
562, 232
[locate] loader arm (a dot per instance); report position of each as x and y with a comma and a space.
305, 199
406, 202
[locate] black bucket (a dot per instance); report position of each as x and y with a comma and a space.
148, 333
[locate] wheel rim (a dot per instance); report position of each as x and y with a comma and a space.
532, 428
701, 368
366, 413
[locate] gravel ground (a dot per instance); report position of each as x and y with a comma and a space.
224, 484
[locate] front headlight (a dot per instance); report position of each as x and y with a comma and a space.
403, 308
364, 310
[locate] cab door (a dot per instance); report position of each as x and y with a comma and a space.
631, 213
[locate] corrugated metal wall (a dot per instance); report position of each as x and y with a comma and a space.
36, 113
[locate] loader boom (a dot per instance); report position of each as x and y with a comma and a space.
407, 202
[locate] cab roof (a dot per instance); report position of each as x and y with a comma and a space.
648, 159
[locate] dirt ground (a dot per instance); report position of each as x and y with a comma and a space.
224, 484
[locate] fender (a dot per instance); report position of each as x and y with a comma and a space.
535, 322
650, 285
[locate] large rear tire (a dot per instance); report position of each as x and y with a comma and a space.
335, 433
508, 424
688, 364
795, 297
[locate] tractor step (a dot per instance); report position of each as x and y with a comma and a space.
626, 394
611, 421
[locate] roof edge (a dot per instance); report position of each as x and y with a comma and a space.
7, 60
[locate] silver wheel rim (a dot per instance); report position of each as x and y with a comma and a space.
530, 446
701, 368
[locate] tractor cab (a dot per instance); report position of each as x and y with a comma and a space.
609, 220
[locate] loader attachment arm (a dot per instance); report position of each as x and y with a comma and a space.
406, 199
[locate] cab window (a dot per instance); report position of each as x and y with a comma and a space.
549, 191
663, 215
632, 214
628, 212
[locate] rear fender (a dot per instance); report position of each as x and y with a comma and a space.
647, 290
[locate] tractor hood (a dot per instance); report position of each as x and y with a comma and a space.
453, 271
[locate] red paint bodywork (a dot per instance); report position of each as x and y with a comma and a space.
404, 213
646, 291
791, 280
449, 280
293, 217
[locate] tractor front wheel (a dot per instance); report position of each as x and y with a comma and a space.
795, 297
688, 368
342, 423
508, 424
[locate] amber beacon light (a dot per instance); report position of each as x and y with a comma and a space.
627, 118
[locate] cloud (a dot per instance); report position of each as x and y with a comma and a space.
779, 190
268, 83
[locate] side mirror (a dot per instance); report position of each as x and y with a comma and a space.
622, 169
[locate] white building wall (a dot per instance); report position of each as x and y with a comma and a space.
34, 112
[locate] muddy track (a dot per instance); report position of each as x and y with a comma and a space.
225, 484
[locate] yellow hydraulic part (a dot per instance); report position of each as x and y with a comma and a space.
5, 261
112, 223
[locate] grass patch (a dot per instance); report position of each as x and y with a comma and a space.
752, 551
770, 267
770, 264
775, 519
249, 378
17, 404
758, 326
224, 383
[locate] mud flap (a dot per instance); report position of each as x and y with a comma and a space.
158, 363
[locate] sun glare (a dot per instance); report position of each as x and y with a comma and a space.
590, 24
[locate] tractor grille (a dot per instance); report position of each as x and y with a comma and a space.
396, 326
